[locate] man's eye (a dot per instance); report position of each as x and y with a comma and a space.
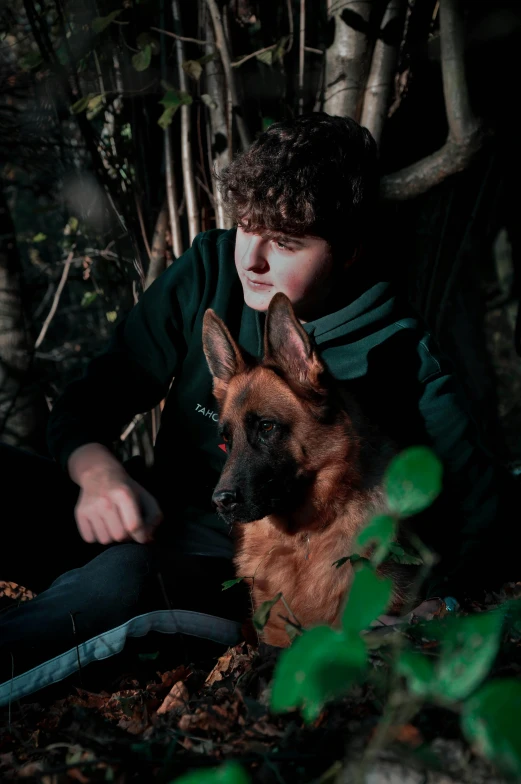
266, 427
282, 246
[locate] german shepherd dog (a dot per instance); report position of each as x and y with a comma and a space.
304, 470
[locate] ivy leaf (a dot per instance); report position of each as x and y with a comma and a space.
368, 598
40, 237
88, 298
167, 117
262, 614
101, 22
321, 664
413, 480
468, 648
399, 555
146, 39
82, 104
141, 60
30, 61
419, 671
266, 57
380, 531
193, 68
228, 583
490, 720
209, 101
354, 558
229, 773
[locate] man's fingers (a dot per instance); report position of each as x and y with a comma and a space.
85, 529
114, 525
152, 514
131, 516
100, 530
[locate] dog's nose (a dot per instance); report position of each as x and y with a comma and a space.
225, 500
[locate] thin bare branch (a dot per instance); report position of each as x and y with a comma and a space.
381, 75
218, 130
180, 37
290, 25
142, 226
466, 135
192, 207
157, 256
61, 284
171, 196
236, 63
222, 45
302, 40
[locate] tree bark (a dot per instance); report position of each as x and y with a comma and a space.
383, 65
346, 58
465, 137
18, 399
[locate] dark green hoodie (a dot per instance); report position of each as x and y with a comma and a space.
374, 342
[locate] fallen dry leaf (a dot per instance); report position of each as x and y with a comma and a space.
176, 698
15, 592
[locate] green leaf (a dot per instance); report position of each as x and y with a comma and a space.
266, 57
228, 583
368, 598
88, 298
355, 558
95, 101
101, 22
146, 39
73, 223
30, 61
40, 237
167, 117
193, 68
490, 720
228, 773
148, 656
380, 531
175, 98
209, 101
280, 49
419, 670
399, 555
82, 104
413, 480
320, 665
469, 647
262, 614
267, 121
141, 60
111, 316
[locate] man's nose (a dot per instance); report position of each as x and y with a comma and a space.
254, 254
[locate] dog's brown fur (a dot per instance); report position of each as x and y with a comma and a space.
330, 457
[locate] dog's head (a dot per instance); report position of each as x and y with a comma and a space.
275, 416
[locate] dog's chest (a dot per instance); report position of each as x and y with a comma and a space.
300, 568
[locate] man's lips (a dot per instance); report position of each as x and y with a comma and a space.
257, 284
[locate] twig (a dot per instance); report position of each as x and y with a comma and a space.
192, 207
290, 25
236, 63
56, 299
181, 37
301, 56
142, 225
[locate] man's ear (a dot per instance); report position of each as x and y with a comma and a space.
223, 355
287, 344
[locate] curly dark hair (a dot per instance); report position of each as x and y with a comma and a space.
316, 174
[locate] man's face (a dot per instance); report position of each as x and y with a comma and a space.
300, 267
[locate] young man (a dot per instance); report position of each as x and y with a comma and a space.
149, 552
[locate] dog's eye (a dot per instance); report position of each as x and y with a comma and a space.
266, 427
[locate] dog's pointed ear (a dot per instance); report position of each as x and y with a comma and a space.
223, 355
287, 343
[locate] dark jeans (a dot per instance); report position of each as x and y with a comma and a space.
89, 596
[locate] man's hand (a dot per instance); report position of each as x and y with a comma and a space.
112, 507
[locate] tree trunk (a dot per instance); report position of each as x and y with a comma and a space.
18, 399
347, 58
